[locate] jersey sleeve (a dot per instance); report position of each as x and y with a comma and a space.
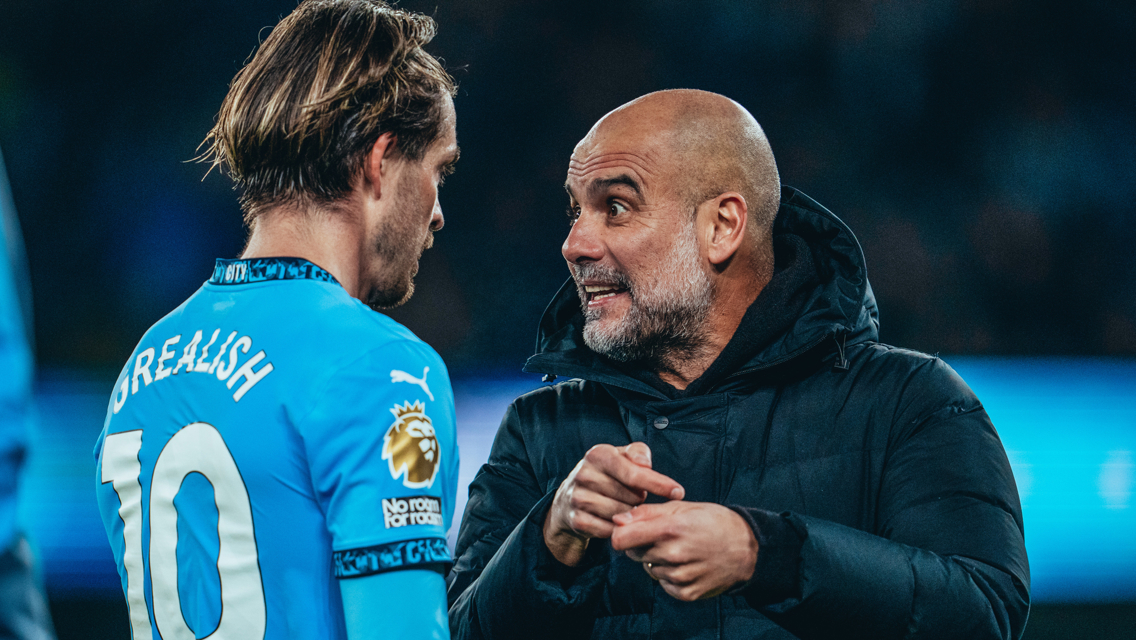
382, 454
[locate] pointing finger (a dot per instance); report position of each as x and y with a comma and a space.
615, 463
640, 478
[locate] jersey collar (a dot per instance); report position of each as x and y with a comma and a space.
264, 269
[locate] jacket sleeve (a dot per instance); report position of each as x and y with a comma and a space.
505, 583
947, 557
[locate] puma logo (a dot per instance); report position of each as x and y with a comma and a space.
402, 376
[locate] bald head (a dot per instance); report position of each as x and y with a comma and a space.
672, 197
711, 145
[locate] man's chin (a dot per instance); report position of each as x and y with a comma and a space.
603, 326
608, 337
391, 297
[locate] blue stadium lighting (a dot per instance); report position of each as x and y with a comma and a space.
1069, 428
1068, 425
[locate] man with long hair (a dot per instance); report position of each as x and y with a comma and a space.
279, 459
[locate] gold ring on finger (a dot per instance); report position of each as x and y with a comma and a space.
647, 566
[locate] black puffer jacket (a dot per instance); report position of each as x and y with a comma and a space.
878, 489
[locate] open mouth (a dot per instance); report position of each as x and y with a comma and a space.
597, 292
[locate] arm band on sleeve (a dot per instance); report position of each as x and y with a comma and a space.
421, 553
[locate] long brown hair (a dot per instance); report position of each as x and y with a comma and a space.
331, 78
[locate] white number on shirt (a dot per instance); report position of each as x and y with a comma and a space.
197, 448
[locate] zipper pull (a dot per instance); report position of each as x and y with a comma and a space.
841, 363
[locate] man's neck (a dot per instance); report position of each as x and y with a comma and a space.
328, 239
722, 322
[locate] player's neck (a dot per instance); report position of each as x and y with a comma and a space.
328, 239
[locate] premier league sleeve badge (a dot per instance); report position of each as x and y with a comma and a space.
410, 446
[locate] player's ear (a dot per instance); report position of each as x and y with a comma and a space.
724, 219
377, 164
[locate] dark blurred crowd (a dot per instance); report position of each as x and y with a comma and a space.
984, 152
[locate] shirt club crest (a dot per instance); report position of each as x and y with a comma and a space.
410, 447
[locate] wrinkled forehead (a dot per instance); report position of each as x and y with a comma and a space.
638, 151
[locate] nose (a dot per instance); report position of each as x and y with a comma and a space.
436, 219
583, 242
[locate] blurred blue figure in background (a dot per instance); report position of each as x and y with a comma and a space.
23, 609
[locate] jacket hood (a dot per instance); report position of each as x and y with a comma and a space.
841, 306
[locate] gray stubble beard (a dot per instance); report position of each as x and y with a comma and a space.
666, 322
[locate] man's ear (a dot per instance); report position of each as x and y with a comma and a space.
725, 218
374, 167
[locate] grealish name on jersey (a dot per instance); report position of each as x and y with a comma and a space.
400, 512
225, 369
273, 412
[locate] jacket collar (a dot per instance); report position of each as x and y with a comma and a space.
842, 304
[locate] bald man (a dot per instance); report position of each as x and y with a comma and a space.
735, 455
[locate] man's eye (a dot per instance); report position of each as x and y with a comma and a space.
573, 214
616, 208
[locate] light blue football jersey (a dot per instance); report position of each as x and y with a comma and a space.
270, 436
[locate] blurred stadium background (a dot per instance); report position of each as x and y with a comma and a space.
983, 151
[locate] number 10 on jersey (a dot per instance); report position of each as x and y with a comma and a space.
196, 448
